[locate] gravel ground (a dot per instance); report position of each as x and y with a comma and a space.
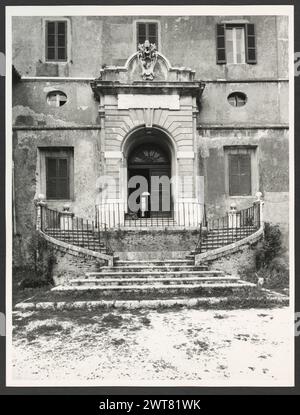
167, 347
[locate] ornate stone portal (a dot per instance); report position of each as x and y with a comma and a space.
135, 111
147, 55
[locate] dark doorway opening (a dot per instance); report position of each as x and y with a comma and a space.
152, 162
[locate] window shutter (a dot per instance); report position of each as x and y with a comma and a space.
245, 174
234, 182
152, 33
250, 43
221, 51
51, 178
239, 174
57, 171
141, 33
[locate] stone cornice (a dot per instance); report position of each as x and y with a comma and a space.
194, 88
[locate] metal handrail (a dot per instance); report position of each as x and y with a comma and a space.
233, 226
67, 227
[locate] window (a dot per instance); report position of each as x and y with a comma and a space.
56, 98
147, 31
237, 99
241, 167
57, 173
56, 40
236, 43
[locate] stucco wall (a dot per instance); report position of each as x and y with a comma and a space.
185, 40
272, 167
27, 176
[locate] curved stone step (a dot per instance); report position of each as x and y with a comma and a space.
162, 274
156, 262
151, 281
138, 268
202, 287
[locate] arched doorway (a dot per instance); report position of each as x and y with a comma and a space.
149, 161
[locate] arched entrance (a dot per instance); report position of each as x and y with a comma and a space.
149, 169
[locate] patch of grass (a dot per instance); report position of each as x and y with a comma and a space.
118, 342
112, 320
202, 345
220, 316
145, 321
48, 329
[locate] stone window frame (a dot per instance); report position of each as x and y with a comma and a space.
135, 22
253, 151
58, 151
221, 34
69, 39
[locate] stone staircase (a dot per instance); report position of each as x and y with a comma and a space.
157, 278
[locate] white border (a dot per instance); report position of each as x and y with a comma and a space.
136, 10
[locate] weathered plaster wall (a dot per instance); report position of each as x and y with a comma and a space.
28, 181
161, 243
80, 109
267, 103
99, 40
272, 166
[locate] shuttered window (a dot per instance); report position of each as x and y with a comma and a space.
56, 40
236, 43
147, 31
57, 178
239, 174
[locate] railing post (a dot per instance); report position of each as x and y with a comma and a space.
66, 218
233, 217
259, 208
40, 204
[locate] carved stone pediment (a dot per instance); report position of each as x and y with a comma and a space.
147, 64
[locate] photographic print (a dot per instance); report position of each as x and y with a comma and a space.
149, 162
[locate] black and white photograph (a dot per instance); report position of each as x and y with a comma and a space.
149, 196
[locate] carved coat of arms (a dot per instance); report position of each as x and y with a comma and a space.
147, 55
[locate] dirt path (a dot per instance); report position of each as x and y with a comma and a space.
184, 347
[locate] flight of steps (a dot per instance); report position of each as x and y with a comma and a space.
156, 279
82, 238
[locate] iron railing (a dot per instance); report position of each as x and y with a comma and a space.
116, 215
67, 227
232, 227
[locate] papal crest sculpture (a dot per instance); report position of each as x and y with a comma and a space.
147, 55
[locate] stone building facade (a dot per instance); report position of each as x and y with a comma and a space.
94, 99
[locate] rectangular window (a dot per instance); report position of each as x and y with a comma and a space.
147, 31
56, 40
241, 170
236, 43
57, 172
